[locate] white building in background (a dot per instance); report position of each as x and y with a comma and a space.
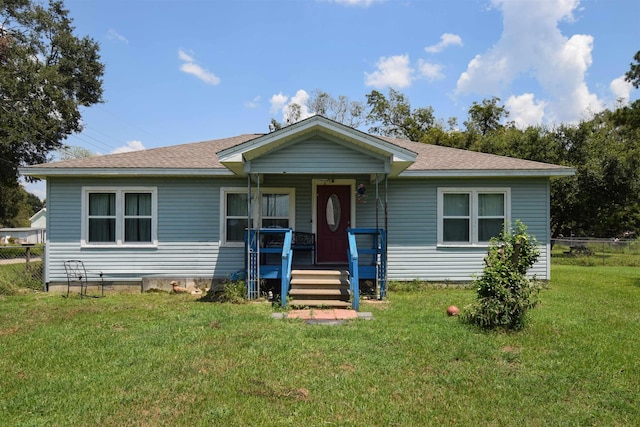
37, 233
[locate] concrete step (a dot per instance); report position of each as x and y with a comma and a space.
324, 273
306, 293
296, 280
320, 275
319, 303
320, 288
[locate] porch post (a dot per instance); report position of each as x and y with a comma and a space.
253, 248
249, 247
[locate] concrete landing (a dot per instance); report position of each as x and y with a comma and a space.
334, 316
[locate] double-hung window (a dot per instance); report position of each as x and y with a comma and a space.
471, 216
119, 216
276, 209
235, 216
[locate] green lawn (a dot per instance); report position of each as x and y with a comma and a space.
160, 359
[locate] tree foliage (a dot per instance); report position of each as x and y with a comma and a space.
70, 152
17, 206
633, 75
46, 74
394, 117
340, 109
486, 117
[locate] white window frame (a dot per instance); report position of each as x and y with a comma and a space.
120, 217
473, 193
255, 207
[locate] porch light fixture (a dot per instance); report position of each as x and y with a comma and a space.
361, 196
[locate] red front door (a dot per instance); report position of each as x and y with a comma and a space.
334, 217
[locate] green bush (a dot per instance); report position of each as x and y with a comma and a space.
505, 294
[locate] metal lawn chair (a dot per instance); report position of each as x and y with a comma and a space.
78, 275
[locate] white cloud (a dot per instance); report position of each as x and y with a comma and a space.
430, 71
114, 35
393, 71
190, 67
131, 146
184, 56
283, 103
525, 111
446, 40
300, 98
621, 88
532, 45
277, 102
254, 103
363, 3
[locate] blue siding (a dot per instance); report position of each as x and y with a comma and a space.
412, 233
188, 231
317, 156
189, 226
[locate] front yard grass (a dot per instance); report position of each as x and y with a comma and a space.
160, 359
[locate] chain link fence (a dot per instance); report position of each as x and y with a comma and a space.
21, 267
596, 251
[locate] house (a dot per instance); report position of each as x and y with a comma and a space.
39, 219
27, 235
22, 235
415, 211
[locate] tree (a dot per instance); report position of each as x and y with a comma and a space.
342, 109
601, 200
70, 152
633, 75
274, 125
17, 206
486, 117
46, 74
394, 117
505, 294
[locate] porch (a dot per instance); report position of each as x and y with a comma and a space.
270, 253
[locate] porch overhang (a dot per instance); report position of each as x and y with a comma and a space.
239, 158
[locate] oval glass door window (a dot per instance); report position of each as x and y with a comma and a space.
333, 212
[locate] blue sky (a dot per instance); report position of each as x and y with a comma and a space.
186, 71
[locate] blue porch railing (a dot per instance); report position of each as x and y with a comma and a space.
257, 270
367, 261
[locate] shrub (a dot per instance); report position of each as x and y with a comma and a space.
233, 291
505, 294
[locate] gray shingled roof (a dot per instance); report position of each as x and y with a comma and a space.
196, 155
202, 155
436, 157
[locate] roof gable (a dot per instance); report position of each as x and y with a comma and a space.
238, 158
319, 153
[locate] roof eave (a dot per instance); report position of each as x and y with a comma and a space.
43, 173
489, 173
